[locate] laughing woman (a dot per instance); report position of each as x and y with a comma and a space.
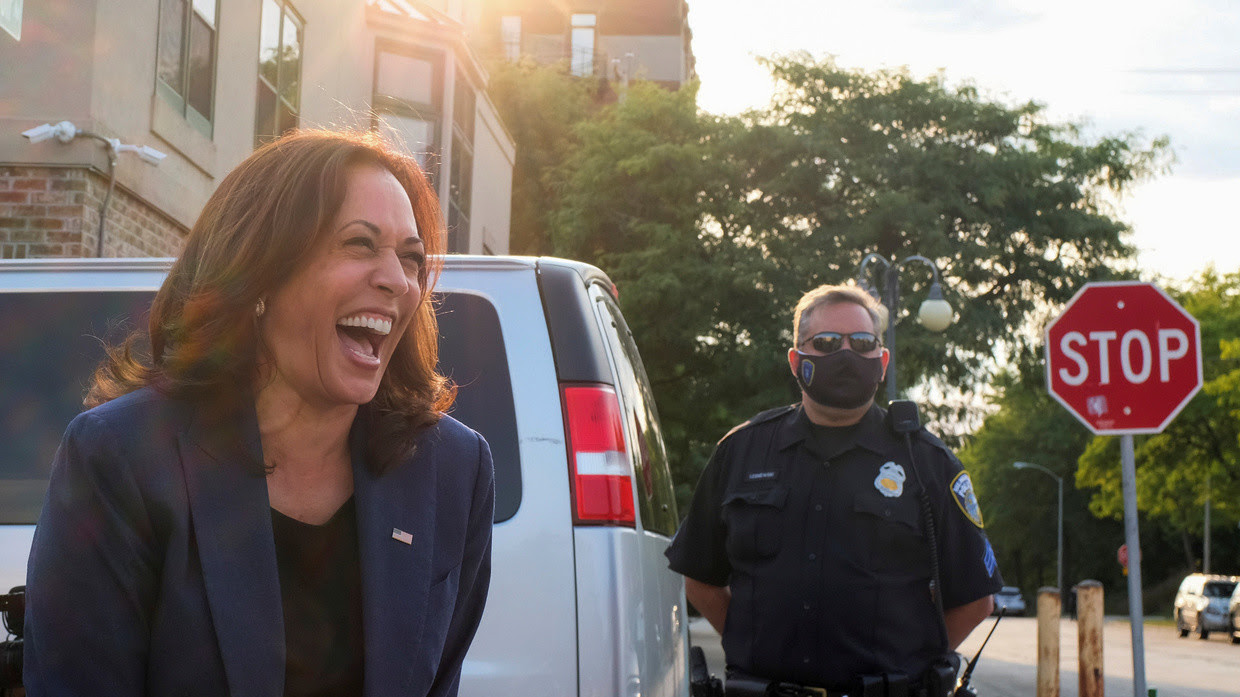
274, 503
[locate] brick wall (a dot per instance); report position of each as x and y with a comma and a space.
54, 212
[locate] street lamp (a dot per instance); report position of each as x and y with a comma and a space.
1059, 481
934, 314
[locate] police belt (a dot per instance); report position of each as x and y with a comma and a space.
937, 681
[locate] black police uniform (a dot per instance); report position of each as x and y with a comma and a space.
819, 533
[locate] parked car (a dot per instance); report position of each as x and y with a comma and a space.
1010, 600
582, 601
1233, 615
1201, 603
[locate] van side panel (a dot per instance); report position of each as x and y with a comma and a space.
526, 645
626, 595
612, 618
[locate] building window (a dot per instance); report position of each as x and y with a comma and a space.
408, 103
460, 178
279, 72
510, 37
186, 63
581, 60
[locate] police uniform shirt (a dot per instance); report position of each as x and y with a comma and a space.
819, 534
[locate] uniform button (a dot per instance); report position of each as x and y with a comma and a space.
887, 512
812, 556
805, 606
805, 661
818, 507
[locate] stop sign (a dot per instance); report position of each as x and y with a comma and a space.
1123, 357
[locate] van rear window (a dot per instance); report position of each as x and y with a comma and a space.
51, 343
472, 354
49, 348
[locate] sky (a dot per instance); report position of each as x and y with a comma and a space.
1154, 68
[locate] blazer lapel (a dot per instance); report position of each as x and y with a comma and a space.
232, 525
396, 575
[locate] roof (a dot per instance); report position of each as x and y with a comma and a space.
415, 10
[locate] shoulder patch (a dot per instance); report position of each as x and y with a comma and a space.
962, 492
768, 415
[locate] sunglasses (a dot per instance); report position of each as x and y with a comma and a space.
830, 342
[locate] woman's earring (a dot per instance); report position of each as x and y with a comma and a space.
260, 308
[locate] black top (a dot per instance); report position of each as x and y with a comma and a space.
819, 534
321, 588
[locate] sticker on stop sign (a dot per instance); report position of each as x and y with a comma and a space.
1123, 357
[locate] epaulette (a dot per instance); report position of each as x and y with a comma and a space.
934, 441
768, 415
950, 464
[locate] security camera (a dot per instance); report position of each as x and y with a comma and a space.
148, 154
64, 131
38, 134
151, 155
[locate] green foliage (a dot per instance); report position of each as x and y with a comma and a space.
1010, 205
540, 105
1020, 506
1198, 454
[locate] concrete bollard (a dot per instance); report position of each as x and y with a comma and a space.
1048, 642
1089, 637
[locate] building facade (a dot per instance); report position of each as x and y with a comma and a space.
206, 81
614, 39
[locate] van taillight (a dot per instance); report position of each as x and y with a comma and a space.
602, 482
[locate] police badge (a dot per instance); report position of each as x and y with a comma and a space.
890, 480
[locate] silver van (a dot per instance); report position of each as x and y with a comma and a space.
581, 602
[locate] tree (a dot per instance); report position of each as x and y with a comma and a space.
540, 105
1198, 454
1020, 507
1012, 206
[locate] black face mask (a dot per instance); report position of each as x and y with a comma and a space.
843, 380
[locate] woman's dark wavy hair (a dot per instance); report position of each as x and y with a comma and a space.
261, 224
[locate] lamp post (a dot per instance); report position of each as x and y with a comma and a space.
1205, 557
934, 314
1059, 481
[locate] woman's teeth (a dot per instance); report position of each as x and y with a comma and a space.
378, 326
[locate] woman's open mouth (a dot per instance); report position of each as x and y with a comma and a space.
363, 335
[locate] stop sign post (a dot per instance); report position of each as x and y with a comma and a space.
1125, 358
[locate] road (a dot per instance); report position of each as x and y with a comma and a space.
1175, 667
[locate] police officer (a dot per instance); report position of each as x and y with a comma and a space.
807, 545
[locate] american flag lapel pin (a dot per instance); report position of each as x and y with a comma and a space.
402, 536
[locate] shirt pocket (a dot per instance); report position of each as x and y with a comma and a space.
896, 539
755, 522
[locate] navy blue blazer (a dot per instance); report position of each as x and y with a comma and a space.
153, 569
